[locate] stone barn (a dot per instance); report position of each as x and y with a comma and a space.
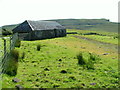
36, 30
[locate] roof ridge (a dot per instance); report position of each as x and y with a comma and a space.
30, 25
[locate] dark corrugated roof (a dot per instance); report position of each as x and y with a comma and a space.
29, 25
44, 25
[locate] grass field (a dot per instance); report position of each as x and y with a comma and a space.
89, 24
56, 64
106, 37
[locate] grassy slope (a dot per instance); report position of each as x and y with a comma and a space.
32, 69
0, 30
106, 37
111, 27
9, 27
89, 24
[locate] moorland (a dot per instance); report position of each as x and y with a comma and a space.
85, 59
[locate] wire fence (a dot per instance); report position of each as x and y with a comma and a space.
7, 44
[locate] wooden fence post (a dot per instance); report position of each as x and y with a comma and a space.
4, 47
10, 42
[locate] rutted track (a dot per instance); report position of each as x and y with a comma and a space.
106, 46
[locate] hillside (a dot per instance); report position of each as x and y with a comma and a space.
89, 24
7, 29
0, 30
82, 24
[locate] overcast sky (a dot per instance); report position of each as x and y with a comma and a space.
16, 11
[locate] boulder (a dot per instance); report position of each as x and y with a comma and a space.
16, 80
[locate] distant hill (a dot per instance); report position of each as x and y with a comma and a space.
7, 29
89, 24
0, 30
82, 24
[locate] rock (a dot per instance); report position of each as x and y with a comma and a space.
105, 54
37, 85
60, 60
93, 78
16, 80
54, 86
63, 71
83, 84
18, 87
92, 83
33, 61
46, 69
38, 73
44, 74
35, 65
45, 81
72, 77
37, 80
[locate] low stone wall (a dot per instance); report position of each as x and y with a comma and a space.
23, 36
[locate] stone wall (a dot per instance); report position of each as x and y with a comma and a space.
24, 36
42, 34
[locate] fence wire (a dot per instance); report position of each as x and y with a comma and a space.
7, 44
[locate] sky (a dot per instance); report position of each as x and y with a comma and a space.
16, 11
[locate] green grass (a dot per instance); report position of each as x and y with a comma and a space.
2, 45
89, 24
11, 64
106, 37
81, 32
56, 65
87, 60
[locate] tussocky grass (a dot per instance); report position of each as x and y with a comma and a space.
56, 65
